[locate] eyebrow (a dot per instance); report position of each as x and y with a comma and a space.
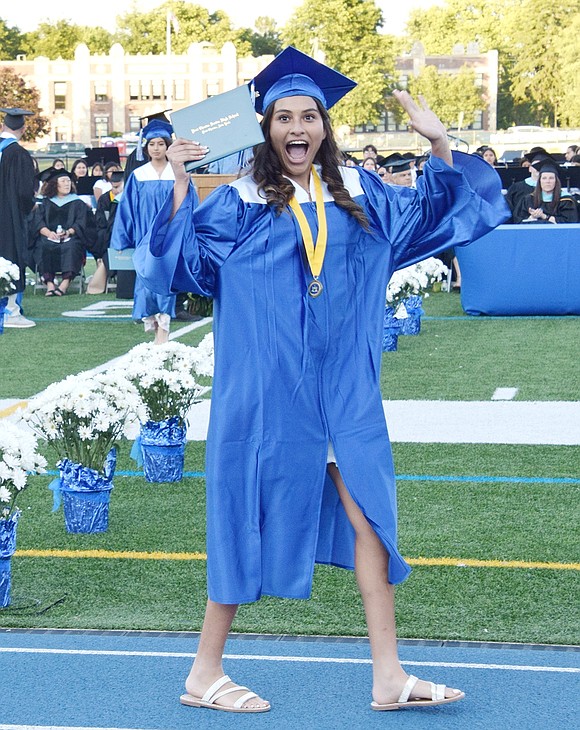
290, 111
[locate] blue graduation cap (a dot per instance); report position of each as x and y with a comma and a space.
157, 128
293, 73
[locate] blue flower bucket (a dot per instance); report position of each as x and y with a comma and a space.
391, 330
7, 549
414, 306
3, 303
160, 449
85, 494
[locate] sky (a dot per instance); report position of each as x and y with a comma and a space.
27, 15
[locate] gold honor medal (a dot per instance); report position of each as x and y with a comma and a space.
314, 255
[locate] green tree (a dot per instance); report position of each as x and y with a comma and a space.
527, 35
535, 30
569, 60
265, 39
11, 41
16, 92
97, 39
146, 32
453, 97
346, 31
53, 40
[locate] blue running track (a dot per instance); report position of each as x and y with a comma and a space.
69, 680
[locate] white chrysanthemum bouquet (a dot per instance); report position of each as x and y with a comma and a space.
83, 415
19, 457
9, 274
167, 377
413, 281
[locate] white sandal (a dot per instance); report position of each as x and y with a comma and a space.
437, 697
213, 694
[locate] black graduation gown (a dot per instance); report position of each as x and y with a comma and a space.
566, 211
104, 219
16, 203
50, 257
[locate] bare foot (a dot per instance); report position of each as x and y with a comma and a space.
197, 685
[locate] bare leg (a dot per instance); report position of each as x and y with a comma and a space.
371, 563
207, 667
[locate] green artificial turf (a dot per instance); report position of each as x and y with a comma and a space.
455, 358
463, 520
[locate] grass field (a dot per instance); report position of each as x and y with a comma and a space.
511, 520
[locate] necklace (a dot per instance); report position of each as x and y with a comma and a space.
315, 255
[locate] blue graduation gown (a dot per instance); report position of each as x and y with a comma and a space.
293, 373
143, 196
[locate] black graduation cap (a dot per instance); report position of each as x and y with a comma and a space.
44, 175
548, 165
55, 173
397, 162
160, 116
293, 73
534, 153
14, 118
540, 159
116, 176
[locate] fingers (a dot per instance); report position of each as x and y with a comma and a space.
184, 150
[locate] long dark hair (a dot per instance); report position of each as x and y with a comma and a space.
550, 205
278, 190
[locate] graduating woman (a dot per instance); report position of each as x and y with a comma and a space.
145, 192
63, 229
299, 467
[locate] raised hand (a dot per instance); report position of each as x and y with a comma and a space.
182, 151
426, 123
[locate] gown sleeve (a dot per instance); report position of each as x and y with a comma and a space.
184, 253
567, 211
123, 235
452, 206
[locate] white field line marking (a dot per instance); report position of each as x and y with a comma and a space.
504, 393
278, 658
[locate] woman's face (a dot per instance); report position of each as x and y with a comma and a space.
157, 148
97, 171
63, 185
548, 181
489, 156
369, 164
296, 133
81, 169
58, 165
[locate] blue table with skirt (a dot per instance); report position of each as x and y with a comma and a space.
525, 269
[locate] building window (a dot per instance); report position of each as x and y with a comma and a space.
101, 91
157, 89
134, 124
134, 90
145, 90
101, 126
179, 90
478, 121
60, 94
212, 88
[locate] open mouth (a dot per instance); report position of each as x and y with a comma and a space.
297, 150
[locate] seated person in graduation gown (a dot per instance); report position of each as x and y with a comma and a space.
547, 204
62, 228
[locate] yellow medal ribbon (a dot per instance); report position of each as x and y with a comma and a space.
315, 255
